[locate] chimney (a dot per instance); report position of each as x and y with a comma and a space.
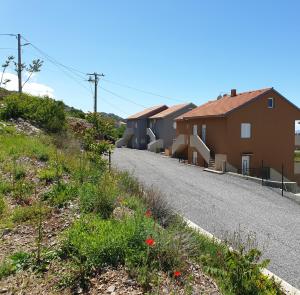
233, 92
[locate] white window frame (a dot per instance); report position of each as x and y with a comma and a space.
245, 130
271, 99
174, 125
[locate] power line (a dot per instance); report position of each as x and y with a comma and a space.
114, 106
55, 61
143, 91
122, 97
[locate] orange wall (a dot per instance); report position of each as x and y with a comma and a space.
272, 134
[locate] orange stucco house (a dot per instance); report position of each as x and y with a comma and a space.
241, 132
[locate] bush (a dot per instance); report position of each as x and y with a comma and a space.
44, 112
61, 194
100, 198
21, 191
28, 213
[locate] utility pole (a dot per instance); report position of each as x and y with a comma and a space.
95, 80
19, 63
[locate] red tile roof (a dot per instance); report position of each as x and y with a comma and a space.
170, 111
148, 112
222, 106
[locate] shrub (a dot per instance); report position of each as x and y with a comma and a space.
45, 112
28, 213
61, 194
101, 198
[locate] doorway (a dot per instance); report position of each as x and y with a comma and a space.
245, 165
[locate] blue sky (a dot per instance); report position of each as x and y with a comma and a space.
185, 50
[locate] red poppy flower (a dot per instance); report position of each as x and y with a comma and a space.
150, 242
177, 274
148, 213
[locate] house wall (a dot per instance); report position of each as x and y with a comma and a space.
272, 134
216, 134
164, 129
139, 138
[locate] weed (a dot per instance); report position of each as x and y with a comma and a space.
100, 199
28, 213
16, 262
61, 194
50, 174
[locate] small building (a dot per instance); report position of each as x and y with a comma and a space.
135, 135
162, 126
241, 132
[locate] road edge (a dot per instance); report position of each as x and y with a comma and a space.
288, 288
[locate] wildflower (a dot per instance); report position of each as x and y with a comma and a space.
150, 242
148, 213
177, 274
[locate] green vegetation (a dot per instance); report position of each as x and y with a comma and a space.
28, 213
44, 112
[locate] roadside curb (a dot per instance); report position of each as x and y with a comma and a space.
289, 289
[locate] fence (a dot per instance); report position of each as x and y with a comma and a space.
261, 172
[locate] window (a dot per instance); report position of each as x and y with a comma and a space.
245, 130
135, 124
174, 125
271, 103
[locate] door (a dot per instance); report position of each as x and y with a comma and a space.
203, 133
245, 165
195, 154
195, 130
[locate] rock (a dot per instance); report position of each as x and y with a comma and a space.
4, 290
111, 289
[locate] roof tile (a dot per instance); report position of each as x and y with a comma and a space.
148, 112
220, 107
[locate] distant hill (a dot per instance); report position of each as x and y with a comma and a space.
72, 112
113, 116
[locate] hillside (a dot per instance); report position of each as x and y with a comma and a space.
71, 111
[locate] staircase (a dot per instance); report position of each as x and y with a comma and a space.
151, 134
212, 164
197, 143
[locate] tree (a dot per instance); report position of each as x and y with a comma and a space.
4, 67
34, 67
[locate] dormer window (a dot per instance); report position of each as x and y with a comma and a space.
271, 103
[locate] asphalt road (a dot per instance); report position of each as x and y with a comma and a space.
222, 204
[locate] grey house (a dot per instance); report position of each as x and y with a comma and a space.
162, 126
135, 135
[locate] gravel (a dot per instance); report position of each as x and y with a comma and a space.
222, 204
